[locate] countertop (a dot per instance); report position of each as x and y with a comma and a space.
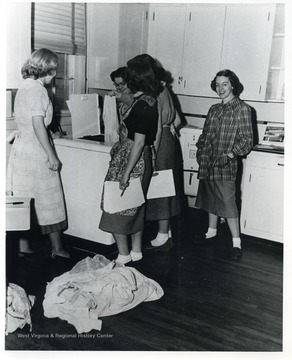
269, 148
84, 144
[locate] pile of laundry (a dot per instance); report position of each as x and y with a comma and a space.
97, 287
18, 306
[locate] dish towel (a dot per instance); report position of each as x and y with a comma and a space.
110, 119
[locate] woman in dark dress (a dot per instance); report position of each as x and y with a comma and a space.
168, 156
131, 158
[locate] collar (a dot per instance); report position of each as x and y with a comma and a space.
232, 103
137, 94
40, 81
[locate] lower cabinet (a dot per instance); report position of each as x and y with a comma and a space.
263, 196
84, 166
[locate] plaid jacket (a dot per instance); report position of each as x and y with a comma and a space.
228, 128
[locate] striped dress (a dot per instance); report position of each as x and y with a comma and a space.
28, 174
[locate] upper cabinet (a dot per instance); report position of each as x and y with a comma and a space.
247, 46
102, 43
18, 49
115, 33
195, 41
166, 39
203, 47
276, 76
192, 42
133, 31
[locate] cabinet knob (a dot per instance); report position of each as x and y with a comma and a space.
180, 79
190, 179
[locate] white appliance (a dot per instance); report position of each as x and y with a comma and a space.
84, 167
85, 114
189, 136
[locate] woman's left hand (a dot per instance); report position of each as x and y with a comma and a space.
224, 159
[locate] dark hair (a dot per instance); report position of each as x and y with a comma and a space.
120, 72
157, 68
235, 83
142, 58
140, 77
41, 63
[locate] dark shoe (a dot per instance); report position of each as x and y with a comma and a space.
27, 255
236, 254
55, 256
166, 246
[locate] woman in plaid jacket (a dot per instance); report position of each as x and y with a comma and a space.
227, 134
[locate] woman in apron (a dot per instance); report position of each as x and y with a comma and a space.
33, 167
131, 159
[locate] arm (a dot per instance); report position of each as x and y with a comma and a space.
202, 138
42, 135
245, 136
159, 133
139, 142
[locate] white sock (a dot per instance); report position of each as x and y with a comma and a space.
211, 233
160, 239
236, 242
169, 233
136, 256
123, 259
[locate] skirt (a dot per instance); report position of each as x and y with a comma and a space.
169, 156
129, 224
218, 198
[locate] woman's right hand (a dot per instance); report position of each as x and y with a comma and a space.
54, 163
115, 93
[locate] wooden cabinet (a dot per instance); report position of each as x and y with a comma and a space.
203, 47
115, 33
276, 77
247, 46
194, 42
263, 195
18, 49
133, 31
102, 43
166, 39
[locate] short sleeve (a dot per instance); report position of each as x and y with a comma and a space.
39, 101
141, 112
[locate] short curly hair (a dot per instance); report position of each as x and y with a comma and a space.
234, 80
120, 72
42, 62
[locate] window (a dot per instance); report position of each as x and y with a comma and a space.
61, 27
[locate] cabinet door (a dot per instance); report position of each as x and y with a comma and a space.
102, 43
247, 46
133, 31
203, 48
166, 39
262, 204
18, 50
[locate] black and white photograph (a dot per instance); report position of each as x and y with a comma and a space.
145, 179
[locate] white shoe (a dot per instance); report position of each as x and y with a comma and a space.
136, 256
160, 239
123, 259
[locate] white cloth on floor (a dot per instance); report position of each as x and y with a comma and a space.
97, 287
18, 308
